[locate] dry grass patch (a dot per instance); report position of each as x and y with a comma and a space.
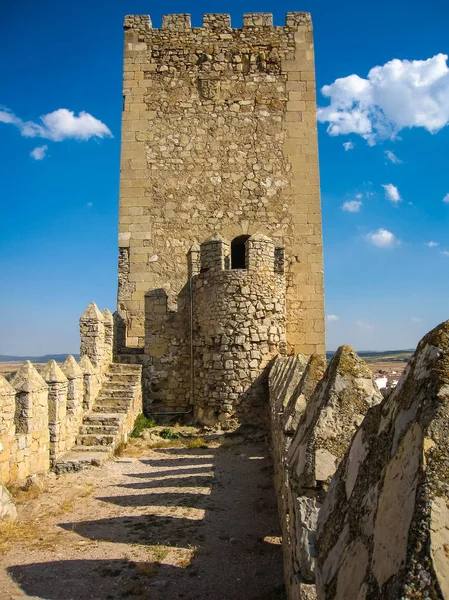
21, 531
198, 442
24, 493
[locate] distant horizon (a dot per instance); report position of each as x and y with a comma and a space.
5, 358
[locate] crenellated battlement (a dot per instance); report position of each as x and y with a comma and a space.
215, 22
43, 409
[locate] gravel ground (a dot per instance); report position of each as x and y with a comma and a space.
174, 523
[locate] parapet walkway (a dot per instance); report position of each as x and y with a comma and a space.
175, 523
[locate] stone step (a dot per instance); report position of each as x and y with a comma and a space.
99, 449
125, 394
95, 440
99, 429
108, 408
103, 419
125, 369
113, 402
124, 378
117, 385
74, 461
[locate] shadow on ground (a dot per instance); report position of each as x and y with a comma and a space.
237, 551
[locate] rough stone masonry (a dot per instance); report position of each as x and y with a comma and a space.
219, 136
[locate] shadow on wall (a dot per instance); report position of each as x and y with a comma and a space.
234, 533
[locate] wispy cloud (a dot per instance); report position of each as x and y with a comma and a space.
332, 318
382, 238
391, 156
348, 146
445, 252
398, 95
39, 152
431, 244
59, 125
446, 199
364, 325
352, 206
392, 193
415, 320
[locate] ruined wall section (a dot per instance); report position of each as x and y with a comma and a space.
219, 133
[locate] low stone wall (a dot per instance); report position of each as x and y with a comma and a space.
383, 530
362, 482
41, 413
313, 420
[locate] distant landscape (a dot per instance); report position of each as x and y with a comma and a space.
368, 355
372, 356
36, 359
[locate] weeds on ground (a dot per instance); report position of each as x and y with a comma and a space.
159, 552
198, 442
168, 434
119, 449
168, 444
142, 422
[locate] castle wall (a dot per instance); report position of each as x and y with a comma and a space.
313, 418
219, 134
41, 412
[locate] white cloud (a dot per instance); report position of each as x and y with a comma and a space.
446, 199
392, 193
415, 320
359, 196
352, 206
348, 146
364, 325
445, 252
39, 152
382, 238
398, 95
391, 156
89, 204
332, 318
58, 125
431, 244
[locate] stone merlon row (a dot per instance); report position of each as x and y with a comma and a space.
362, 481
222, 22
47, 414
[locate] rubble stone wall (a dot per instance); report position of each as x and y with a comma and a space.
218, 134
213, 351
239, 327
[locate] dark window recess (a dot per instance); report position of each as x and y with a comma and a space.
238, 252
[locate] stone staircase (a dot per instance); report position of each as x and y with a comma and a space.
109, 421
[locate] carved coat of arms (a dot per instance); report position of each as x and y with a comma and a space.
209, 88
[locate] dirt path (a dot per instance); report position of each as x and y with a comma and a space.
176, 523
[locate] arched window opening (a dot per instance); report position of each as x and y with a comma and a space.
238, 252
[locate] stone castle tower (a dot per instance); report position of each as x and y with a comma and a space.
219, 149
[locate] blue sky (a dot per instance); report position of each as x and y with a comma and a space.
58, 210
